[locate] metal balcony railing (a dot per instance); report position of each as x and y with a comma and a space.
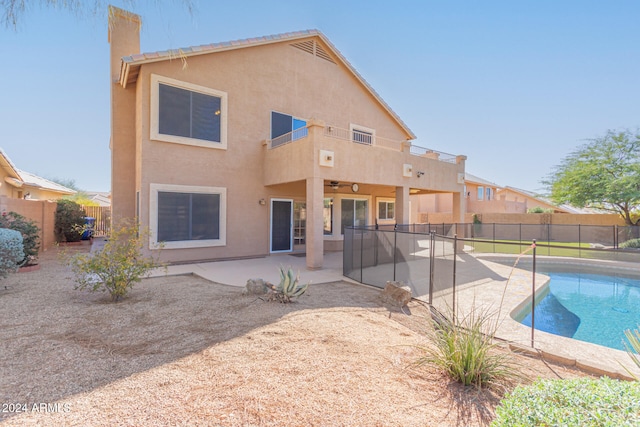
363, 138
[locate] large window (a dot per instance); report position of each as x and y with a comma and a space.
187, 113
386, 210
286, 128
354, 213
185, 216
480, 193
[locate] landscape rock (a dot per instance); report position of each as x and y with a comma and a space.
256, 287
396, 293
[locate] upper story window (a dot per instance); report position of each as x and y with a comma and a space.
362, 135
480, 193
185, 113
286, 128
488, 193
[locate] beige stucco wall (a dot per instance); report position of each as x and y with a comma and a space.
556, 218
42, 212
257, 81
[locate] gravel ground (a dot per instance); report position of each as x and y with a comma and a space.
184, 351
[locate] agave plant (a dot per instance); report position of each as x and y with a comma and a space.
289, 286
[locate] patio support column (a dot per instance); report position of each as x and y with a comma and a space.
403, 211
315, 226
458, 207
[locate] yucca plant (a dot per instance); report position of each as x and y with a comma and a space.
466, 350
633, 348
289, 286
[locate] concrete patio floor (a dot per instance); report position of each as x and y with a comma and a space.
237, 272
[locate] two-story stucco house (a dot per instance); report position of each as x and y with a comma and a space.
259, 146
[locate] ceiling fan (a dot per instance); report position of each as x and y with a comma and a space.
335, 185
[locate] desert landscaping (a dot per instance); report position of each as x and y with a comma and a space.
180, 350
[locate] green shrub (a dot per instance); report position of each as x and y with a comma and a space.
630, 244
117, 267
575, 402
11, 251
466, 350
69, 221
539, 209
30, 235
289, 286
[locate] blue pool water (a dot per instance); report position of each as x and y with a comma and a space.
589, 307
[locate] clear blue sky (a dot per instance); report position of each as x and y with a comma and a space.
513, 85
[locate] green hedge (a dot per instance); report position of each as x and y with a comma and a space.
631, 244
576, 402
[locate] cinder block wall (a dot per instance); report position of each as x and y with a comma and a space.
41, 211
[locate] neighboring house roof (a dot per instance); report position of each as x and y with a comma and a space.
102, 198
130, 66
544, 200
36, 181
19, 178
477, 180
7, 165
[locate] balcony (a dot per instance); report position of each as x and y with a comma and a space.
353, 155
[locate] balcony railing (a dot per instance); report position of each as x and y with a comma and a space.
433, 154
289, 137
364, 138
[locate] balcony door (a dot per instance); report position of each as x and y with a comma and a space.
281, 225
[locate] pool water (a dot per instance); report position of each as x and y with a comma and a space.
589, 307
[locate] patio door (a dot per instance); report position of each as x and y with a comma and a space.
281, 225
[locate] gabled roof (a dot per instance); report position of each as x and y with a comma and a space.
7, 165
130, 66
543, 200
19, 178
36, 181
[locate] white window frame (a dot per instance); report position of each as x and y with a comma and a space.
368, 219
184, 244
480, 193
155, 111
354, 127
387, 201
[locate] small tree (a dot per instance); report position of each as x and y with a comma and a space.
604, 174
69, 221
30, 235
118, 266
11, 251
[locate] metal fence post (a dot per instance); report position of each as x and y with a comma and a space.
395, 249
533, 295
361, 253
455, 257
432, 244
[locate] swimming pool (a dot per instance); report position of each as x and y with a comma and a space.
589, 307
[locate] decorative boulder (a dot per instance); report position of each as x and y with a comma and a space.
256, 287
396, 293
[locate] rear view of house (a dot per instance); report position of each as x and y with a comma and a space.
259, 146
